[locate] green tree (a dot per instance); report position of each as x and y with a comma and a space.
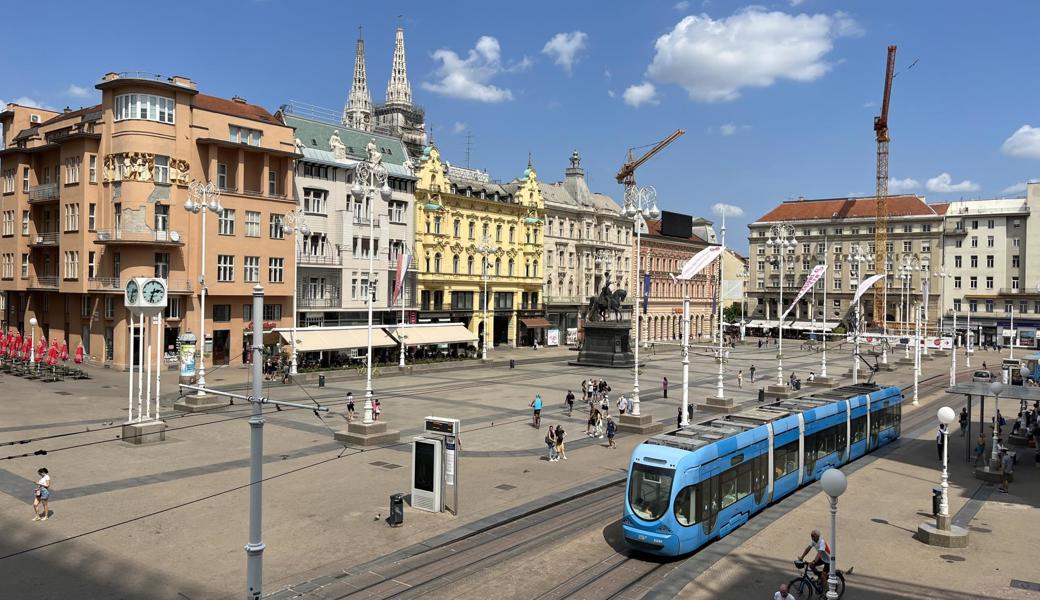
732, 313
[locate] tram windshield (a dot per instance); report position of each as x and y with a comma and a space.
649, 491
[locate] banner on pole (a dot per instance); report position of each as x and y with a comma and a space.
865, 285
402, 267
926, 285
646, 291
700, 260
810, 281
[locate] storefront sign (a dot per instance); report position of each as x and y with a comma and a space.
552, 337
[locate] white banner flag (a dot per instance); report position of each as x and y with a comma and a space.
810, 281
865, 285
699, 261
927, 288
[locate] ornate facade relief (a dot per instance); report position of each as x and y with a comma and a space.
140, 166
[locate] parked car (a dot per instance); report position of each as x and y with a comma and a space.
982, 376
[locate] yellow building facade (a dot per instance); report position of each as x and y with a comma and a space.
464, 219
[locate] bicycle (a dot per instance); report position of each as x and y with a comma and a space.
803, 587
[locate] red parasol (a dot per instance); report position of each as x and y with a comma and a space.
64, 350
41, 350
26, 348
79, 354
52, 355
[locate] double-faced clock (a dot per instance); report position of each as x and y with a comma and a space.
146, 295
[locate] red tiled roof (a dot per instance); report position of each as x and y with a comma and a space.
847, 208
71, 114
235, 109
941, 207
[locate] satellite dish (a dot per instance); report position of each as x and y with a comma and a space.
176, 237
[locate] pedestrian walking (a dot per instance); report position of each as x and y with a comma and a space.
759, 343
940, 439
550, 443
664, 386
286, 374
536, 404
42, 495
604, 405
678, 418
377, 408
740, 379
350, 406
752, 372
622, 404
561, 449
1007, 468
980, 449
570, 403
611, 432
600, 425
782, 593
689, 412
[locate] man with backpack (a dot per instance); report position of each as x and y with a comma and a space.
570, 402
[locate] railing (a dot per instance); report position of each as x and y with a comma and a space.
311, 259
1005, 291
318, 302
44, 239
376, 222
145, 235
46, 191
565, 300
44, 282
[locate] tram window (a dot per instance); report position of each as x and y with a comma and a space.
744, 479
728, 488
687, 510
841, 437
649, 491
859, 429
785, 460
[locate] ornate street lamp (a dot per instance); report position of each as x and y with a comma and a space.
202, 198
486, 248
294, 225
640, 202
781, 237
857, 258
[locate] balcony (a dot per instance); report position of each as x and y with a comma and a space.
48, 192
43, 240
318, 302
311, 260
142, 236
566, 300
365, 222
43, 283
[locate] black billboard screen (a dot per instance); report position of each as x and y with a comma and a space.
676, 224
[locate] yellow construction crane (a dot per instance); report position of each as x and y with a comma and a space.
627, 174
881, 192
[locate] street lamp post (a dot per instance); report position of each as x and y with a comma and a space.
857, 258
294, 225
884, 312
781, 237
486, 248
640, 202
917, 350
719, 392
834, 485
946, 418
967, 340
953, 350
910, 264
826, 263
995, 388
374, 175
203, 198
32, 346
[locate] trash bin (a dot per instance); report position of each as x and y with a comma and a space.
321, 380
761, 394
936, 500
396, 518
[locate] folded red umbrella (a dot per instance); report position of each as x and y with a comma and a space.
52, 355
64, 350
26, 348
41, 350
79, 354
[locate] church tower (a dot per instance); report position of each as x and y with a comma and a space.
357, 113
398, 116
398, 90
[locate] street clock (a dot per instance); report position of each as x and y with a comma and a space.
146, 295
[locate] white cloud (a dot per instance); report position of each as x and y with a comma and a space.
727, 210
644, 93
564, 47
681, 6
943, 183
469, 78
901, 186
79, 92
1024, 143
1018, 188
611, 93
795, 2
458, 127
713, 60
727, 129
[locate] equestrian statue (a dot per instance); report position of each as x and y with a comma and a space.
606, 301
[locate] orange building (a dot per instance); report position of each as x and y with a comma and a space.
92, 197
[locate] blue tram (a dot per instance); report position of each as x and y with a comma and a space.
690, 486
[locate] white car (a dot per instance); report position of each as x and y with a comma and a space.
982, 376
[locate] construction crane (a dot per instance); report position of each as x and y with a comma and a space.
627, 174
881, 192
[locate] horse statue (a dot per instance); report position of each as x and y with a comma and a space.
606, 301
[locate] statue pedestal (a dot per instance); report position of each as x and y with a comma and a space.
607, 344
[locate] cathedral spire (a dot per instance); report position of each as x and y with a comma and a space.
398, 90
358, 111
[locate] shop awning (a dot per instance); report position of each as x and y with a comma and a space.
447, 333
535, 322
315, 339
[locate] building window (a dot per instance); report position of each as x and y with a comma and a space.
989, 282
25, 266
72, 264
25, 222
975, 240
456, 227
989, 241
973, 306
498, 233
973, 282
162, 265
225, 268
455, 264
989, 261
397, 211
974, 262
498, 267
161, 171
174, 308
437, 263
272, 312
437, 224
989, 306
8, 223
72, 168
91, 264
146, 107
222, 182
957, 305
110, 307
226, 222
957, 262
314, 201
243, 135
511, 266
251, 269
276, 270
469, 265
252, 223
162, 217
272, 183
908, 246
92, 173
989, 224
1014, 283
1014, 242
275, 230
957, 282
221, 313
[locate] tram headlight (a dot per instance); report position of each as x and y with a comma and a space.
626, 520
662, 528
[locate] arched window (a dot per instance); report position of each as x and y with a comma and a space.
535, 274
512, 234
527, 269
472, 229
458, 227
437, 263
428, 264
455, 264
498, 233
469, 265
510, 267
498, 266
485, 229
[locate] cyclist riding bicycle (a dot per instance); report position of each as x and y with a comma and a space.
823, 555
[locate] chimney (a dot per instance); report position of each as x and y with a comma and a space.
238, 99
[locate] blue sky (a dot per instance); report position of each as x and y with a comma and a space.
777, 99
